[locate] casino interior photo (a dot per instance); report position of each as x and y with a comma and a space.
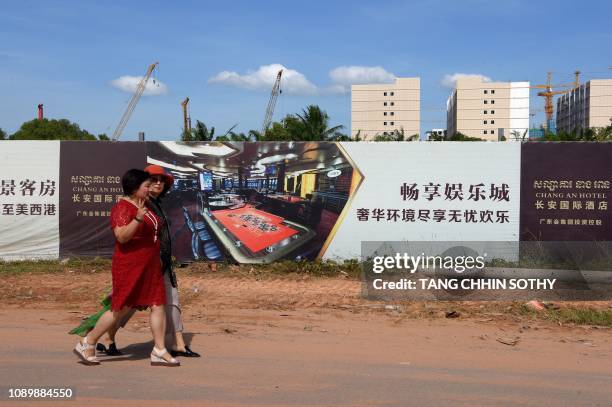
252, 202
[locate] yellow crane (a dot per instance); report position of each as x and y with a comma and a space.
548, 93
140, 88
186, 118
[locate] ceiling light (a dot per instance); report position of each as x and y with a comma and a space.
215, 149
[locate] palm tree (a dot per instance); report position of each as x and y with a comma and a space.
199, 133
396, 135
338, 136
231, 135
518, 136
314, 124
254, 135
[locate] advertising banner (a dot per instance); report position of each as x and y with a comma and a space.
566, 191
29, 199
253, 202
90, 184
431, 192
266, 201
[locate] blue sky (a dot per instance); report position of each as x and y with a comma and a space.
66, 54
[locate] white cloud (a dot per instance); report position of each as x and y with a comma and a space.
128, 83
450, 80
294, 82
345, 76
263, 78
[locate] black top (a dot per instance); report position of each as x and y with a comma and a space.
164, 239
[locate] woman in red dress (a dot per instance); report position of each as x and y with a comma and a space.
137, 278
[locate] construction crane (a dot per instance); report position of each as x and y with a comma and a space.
133, 102
276, 90
549, 93
186, 118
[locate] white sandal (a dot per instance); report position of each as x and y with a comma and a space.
81, 349
157, 360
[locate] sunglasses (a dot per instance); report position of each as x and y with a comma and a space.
155, 180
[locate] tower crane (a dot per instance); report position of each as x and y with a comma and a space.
548, 93
133, 102
276, 90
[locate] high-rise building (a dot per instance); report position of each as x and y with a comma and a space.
381, 109
587, 106
488, 110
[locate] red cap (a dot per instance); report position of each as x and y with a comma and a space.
159, 170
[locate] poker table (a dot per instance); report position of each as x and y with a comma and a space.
220, 204
287, 198
218, 197
254, 236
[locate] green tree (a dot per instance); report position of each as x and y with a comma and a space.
312, 124
103, 137
315, 125
517, 135
52, 129
199, 133
396, 135
603, 133
591, 134
344, 137
462, 137
3, 135
277, 132
252, 135
436, 137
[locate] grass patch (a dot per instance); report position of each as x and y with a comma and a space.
55, 266
316, 268
570, 315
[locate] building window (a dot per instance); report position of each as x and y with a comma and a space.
485, 112
384, 123
492, 102
392, 103
492, 111
486, 101
484, 132
384, 113
492, 131
492, 91
485, 122
485, 91
492, 121
385, 94
385, 104
392, 123
384, 133
392, 113
392, 93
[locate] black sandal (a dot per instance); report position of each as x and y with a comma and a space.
110, 351
113, 351
188, 353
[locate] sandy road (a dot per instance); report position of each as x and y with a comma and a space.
312, 342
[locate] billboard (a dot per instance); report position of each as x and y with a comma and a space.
266, 201
90, 184
29, 199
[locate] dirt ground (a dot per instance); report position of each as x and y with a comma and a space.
276, 340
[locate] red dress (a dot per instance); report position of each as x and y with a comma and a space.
138, 281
